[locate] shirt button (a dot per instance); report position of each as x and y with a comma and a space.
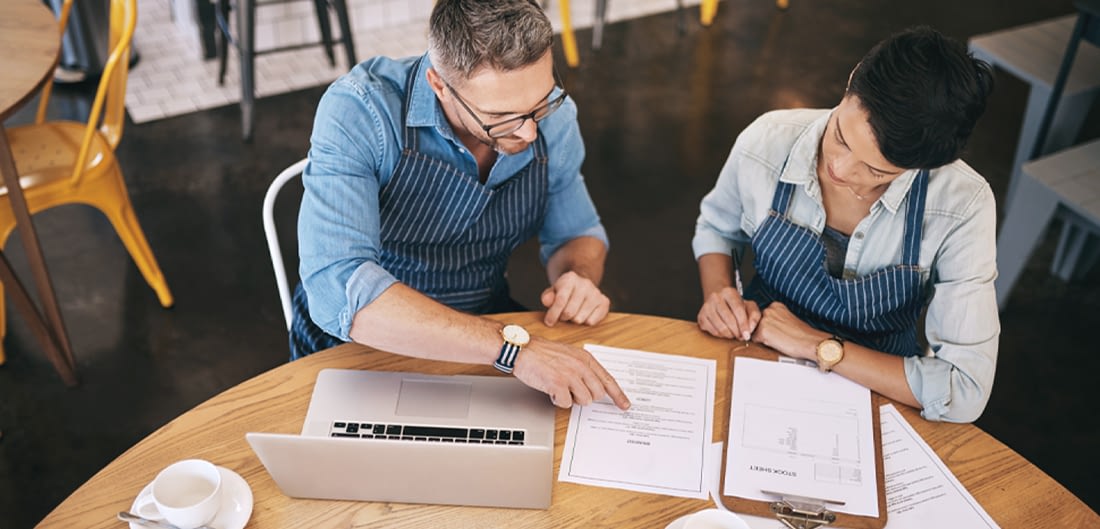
859, 235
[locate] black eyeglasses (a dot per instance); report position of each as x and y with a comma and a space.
510, 125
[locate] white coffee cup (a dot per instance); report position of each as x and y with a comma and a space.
186, 494
714, 519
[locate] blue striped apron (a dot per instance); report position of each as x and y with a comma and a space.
446, 234
879, 310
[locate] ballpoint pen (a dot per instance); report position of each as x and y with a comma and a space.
737, 273
737, 283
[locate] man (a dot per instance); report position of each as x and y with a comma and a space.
860, 217
424, 175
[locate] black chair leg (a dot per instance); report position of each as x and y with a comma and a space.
246, 23
341, 8
321, 6
680, 25
597, 28
221, 37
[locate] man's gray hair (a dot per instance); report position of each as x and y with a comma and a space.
466, 35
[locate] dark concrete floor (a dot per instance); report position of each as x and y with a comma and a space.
659, 111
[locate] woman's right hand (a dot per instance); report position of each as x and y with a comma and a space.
726, 314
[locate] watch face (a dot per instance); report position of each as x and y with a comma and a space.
516, 335
830, 351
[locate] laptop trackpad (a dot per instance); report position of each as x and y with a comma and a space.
431, 398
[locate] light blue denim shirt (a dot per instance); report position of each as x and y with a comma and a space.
356, 144
957, 258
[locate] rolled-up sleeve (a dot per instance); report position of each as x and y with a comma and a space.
953, 383
570, 212
718, 227
338, 224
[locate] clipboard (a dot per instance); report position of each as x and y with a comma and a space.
796, 512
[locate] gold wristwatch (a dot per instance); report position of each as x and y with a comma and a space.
829, 353
515, 337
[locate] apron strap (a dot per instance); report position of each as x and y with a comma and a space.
914, 219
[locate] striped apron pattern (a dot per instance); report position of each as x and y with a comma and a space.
879, 310
445, 234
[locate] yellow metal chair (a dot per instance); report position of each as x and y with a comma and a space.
67, 162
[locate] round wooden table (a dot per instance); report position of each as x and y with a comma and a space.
30, 43
1012, 490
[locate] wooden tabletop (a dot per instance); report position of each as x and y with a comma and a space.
29, 42
1015, 492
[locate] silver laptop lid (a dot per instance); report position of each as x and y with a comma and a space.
477, 440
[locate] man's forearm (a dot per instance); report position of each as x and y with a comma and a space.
584, 256
406, 322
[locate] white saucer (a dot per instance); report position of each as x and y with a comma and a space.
236, 502
680, 522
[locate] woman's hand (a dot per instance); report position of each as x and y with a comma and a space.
726, 314
781, 330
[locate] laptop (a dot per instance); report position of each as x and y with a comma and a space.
413, 438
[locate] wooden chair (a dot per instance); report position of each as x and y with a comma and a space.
68, 162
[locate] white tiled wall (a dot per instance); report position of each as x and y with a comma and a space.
172, 78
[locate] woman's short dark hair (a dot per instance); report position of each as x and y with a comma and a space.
466, 35
924, 93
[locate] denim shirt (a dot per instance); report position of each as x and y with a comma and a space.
954, 378
355, 147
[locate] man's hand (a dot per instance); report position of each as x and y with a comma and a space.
781, 330
574, 298
726, 315
567, 374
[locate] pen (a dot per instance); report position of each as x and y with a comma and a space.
737, 283
737, 273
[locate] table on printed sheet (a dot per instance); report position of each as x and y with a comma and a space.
30, 42
1016, 493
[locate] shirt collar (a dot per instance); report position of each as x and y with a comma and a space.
801, 166
424, 108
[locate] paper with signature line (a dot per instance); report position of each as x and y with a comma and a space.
660, 444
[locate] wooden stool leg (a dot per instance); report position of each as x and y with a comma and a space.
52, 335
23, 302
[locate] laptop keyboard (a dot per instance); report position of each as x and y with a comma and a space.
438, 434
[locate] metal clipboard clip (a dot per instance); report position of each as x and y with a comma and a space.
800, 512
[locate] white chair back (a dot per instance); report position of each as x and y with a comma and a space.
273, 236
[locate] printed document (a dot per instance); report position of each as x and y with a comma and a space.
797, 431
660, 444
920, 490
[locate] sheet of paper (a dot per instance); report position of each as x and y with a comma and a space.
921, 491
797, 431
660, 444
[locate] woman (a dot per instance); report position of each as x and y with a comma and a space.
861, 217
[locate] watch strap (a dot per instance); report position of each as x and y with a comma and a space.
506, 361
